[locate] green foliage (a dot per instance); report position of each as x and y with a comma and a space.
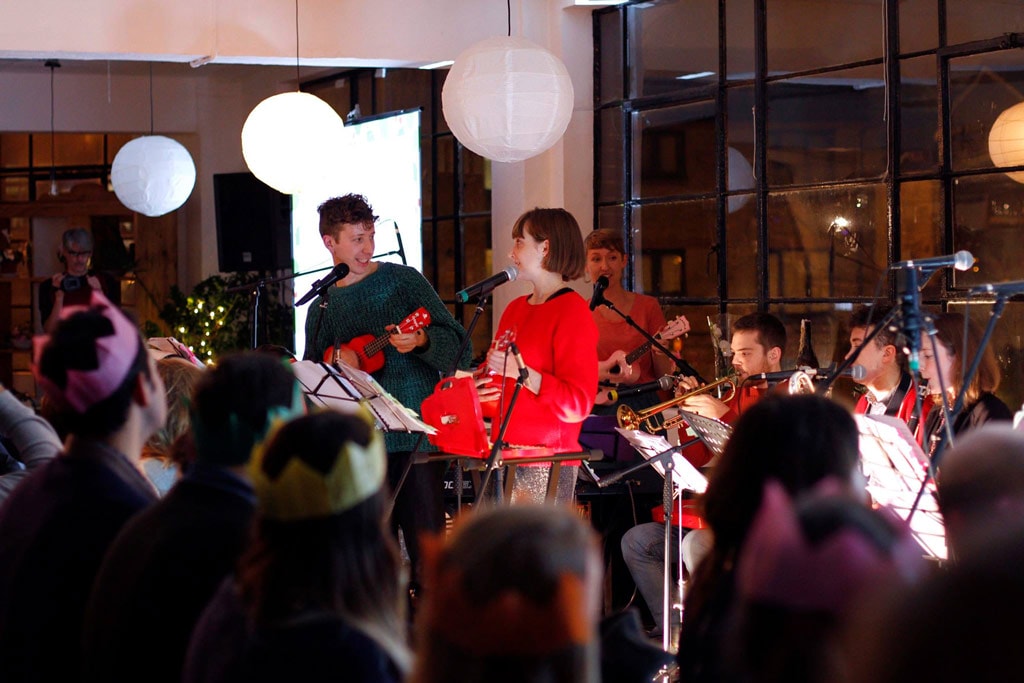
216, 317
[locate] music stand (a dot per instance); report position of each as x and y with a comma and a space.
344, 388
896, 470
662, 457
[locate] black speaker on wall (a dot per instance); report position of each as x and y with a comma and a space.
254, 224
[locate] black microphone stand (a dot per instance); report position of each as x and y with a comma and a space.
680, 363
493, 463
668, 495
256, 291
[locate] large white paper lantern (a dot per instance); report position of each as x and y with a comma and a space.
507, 99
292, 141
1006, 140
153, 175
740, 177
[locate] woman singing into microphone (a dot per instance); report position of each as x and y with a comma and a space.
617, 339
557, 339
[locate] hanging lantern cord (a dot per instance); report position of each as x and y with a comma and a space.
151, 129
508, 13
52, 64
297, 82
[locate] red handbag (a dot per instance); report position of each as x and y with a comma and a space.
454, 411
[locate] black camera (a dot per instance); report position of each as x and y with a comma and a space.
72, 283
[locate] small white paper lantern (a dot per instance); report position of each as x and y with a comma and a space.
507, 99
740, 177
153, 175
1006, 140
292, 140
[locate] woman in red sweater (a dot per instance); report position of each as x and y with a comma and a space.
557, 339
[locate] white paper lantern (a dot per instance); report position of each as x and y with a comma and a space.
292, 140
153, 175
507, 99
1006, 140
740, 177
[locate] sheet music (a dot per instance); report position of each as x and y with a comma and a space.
684, 475
343, 388
894, 466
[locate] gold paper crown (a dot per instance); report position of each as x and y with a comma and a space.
300, 492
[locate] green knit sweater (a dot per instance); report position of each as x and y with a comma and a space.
383, 298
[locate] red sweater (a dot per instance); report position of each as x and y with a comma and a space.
558, 339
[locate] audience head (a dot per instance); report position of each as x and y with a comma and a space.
321, 541
179, 377
166, 452
758, 343
957, 625
802, 569
795, 440
565, 255
981, 485
947, 357
235, 402
513, 596
93, 367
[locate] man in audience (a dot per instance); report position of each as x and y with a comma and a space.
56, 525
981, 486
166, 564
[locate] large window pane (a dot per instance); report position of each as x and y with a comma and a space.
476, 182
677, 244
741, 248
988, 219
919, 25
610, 166
827, 127
13, 150
810, 34
968, 20
73, 149
671, 149
697, 347
921, 226
610, 58
673, 47
919, 115
739, 37
981, 87
827, 242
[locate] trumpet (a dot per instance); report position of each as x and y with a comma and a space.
642, 419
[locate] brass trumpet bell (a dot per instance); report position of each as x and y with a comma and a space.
642, 419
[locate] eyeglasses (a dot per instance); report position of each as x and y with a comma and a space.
78, 254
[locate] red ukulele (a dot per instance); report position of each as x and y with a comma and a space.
369, 348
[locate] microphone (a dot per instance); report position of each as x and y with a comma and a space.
401, 247
854, 372
523, 372
999, 288
599, 287
339, 271
487, 286
664, 383
961, 260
